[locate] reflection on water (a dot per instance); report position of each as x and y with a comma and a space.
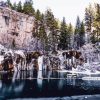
45, 84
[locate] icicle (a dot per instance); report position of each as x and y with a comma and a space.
40, 62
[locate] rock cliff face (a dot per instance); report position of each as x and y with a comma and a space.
16, 29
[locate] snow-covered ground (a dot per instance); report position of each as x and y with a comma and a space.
81, 97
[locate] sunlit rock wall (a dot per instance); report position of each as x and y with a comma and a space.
16, 28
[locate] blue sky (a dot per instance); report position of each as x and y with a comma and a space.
69, 9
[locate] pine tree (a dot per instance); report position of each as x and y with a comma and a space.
14, 7
63, 35
70, 36
49, 18
76, 33
9, 3
38, 15
82, 35
79, 37
52, 26
28, 7
89, 17
19, 7
42, 34
78, 25
97, 22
